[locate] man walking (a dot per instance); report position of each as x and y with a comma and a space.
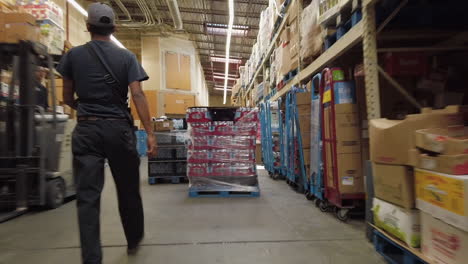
99, 73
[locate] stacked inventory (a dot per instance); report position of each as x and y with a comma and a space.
170, 164
221, 151
420, 170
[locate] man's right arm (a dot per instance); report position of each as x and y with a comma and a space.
139, 99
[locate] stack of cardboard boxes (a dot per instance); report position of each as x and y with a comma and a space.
287, 53
303, 102
409, 162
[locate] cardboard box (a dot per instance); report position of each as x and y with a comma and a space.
449, 164
394, 184
350, 176
18, 26
305, 139
391, 140
304, 109
163, 125
304, 123
441, 242
293, 11
303, 99
258, 154
443, 196
402, 223
306, 153
346, 126
448, 141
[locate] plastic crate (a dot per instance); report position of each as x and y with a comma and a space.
181, 153
164, 138
165, 154
181, 168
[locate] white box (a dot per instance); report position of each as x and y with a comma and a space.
401, 223
443, 243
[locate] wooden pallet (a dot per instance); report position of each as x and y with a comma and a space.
218, 193
394, 251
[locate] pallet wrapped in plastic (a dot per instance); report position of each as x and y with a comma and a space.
310, 30
221, 149
171, 157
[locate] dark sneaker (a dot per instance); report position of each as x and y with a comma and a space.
133, 249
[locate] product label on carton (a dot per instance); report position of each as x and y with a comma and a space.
347, 180
441, 191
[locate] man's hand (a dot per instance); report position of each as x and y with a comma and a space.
152, 146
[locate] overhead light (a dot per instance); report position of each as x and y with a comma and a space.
222, 29
80, 9
221, 59
228, 46
222, 77
222, 89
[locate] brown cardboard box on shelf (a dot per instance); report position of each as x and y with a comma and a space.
449, 164
163, 125
18, 26
305, 139
293, 11
391, 140
449, 141
304, 109
346, 128
350, 174
441, 242
394, 184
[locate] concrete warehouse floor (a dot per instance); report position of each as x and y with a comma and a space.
279, 227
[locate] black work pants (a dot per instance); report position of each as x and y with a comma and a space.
93, 142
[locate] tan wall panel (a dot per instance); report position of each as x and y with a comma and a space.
175, 103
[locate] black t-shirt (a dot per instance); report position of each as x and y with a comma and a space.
87, 75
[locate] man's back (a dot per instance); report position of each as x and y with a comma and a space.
88, 77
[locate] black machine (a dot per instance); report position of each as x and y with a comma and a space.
35, 145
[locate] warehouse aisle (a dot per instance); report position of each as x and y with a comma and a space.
279, 227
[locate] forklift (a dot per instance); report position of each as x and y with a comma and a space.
35, 145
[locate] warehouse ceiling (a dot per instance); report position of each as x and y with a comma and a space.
205, 22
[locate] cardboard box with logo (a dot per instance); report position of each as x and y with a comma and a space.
163, 125
449, 164
391, 140
402, 223
447, 141
394, 184
350, 176
443, 243
443, 196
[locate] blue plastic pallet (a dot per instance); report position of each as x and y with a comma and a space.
167, 179
206, 192
392, 252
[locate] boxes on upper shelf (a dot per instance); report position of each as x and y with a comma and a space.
394, 184
443, 196
443, 243
402, 223
17, 26
392, 140
448, 141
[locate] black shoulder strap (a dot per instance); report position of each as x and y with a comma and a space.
111, 79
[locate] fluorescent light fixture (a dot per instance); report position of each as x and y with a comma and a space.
222, 89
221, 59
85, 13
222, 29
222, 77
228, 46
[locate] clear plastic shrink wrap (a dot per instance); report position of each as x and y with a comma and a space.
221, 148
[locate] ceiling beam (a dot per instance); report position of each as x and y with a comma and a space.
255, 2
223, 50
201, 23
204, 33
223, 43
210, 12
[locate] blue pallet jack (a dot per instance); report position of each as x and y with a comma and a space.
275, 170
296, 175
315, 188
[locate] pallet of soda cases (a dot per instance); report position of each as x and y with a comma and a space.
221, 152
170, 163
